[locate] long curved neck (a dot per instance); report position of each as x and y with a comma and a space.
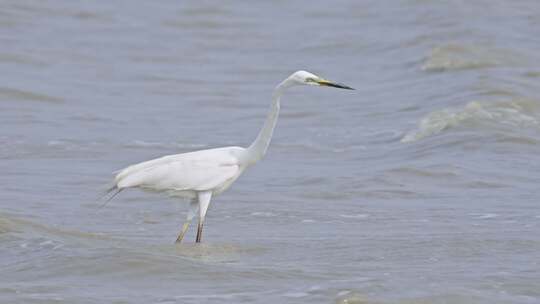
259, 146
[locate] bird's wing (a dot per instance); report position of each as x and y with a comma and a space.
198, 171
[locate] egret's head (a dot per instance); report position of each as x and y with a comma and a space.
306, 78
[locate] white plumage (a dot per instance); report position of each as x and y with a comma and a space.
202, 174
183, 175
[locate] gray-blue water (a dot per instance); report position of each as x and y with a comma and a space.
419, 187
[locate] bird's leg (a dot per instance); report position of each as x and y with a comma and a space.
190, 215
204, 202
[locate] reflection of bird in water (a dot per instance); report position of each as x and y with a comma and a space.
202, 174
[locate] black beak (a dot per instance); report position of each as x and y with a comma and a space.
327, 83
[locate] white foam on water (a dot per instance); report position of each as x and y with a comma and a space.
485, 216
518, 113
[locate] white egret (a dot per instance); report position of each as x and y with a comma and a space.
200, 175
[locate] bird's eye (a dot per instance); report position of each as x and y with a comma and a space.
310, 80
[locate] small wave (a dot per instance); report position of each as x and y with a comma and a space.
263, 214
532, 74
351, 297
515, 113
5, 225
355, 216
485, 216
206, 24
424, 172
19, 59
142, 143
10, 224
155, 144
461, 57
317, 148
42, 244
207, 252
296, 294
16, 94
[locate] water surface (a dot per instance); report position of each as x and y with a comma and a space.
419, 187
